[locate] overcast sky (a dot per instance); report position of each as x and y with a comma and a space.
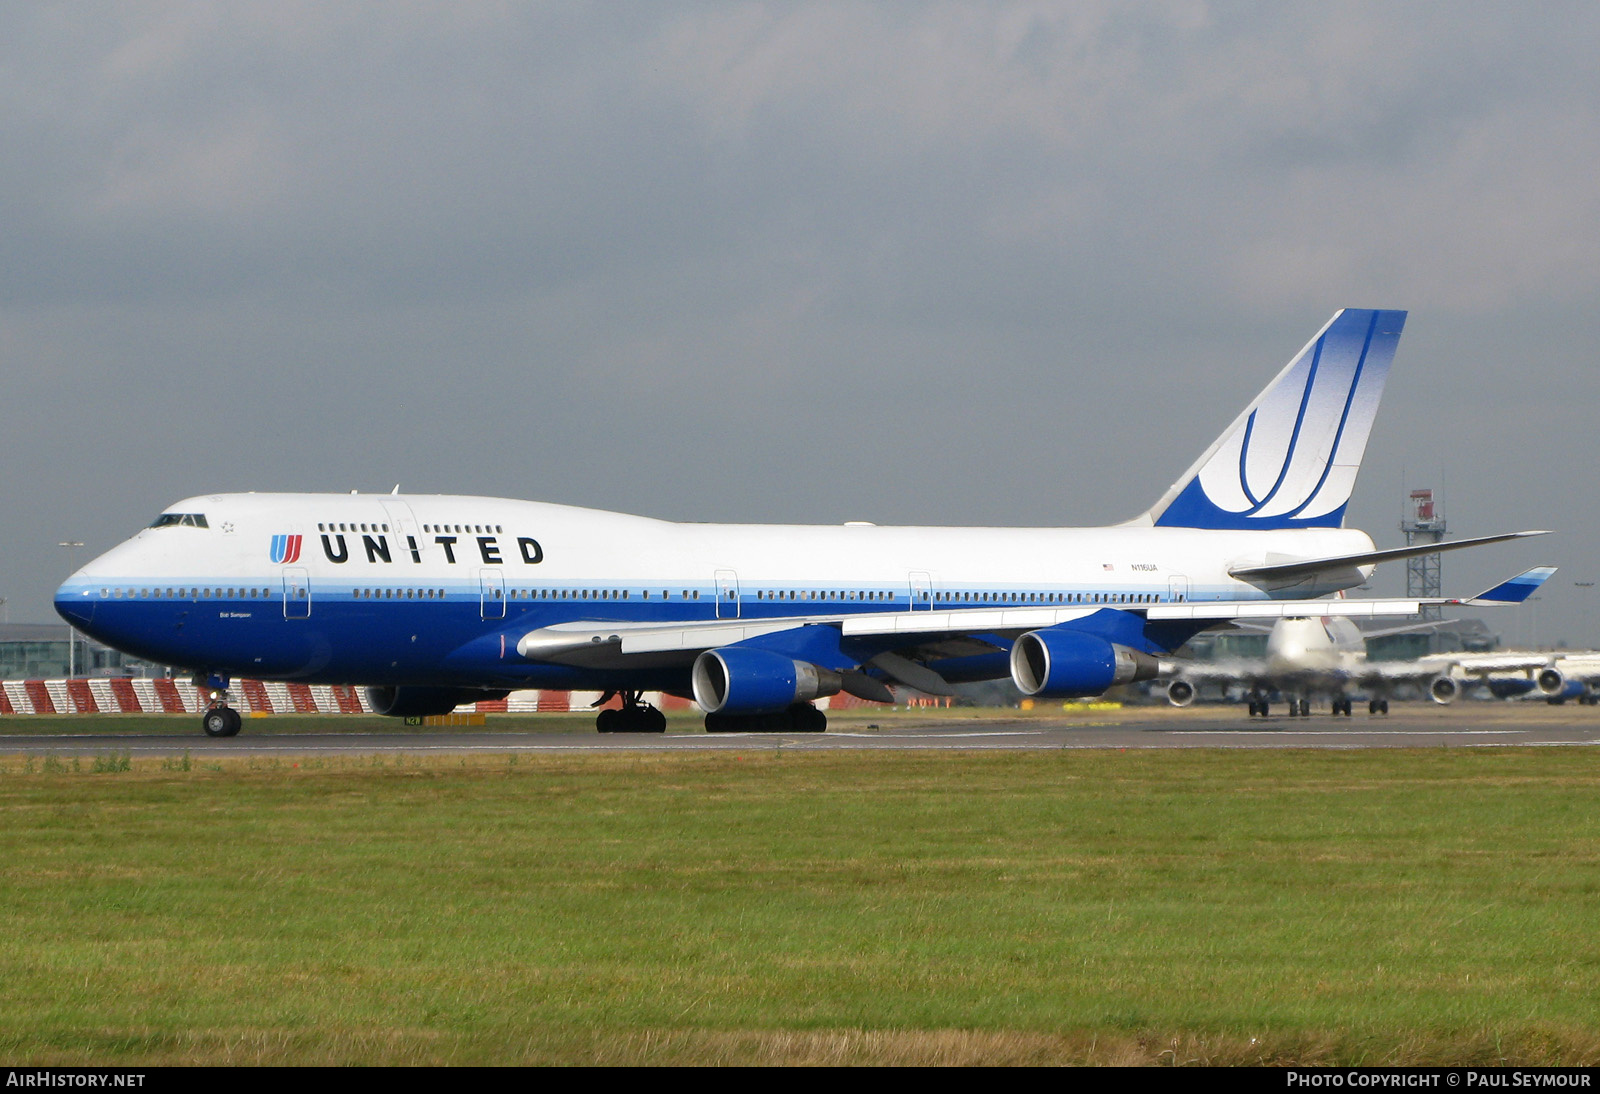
965, 264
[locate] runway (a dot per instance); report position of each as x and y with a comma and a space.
1465, 725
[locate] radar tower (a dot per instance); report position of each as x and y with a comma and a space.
1424, 524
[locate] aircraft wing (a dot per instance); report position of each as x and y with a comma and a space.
901, 645
551, 643
589, 640
1482, 664
1577, 666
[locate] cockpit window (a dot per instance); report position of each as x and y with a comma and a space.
189, 520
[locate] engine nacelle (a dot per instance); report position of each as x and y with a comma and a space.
737, 680
1069, 664
1180, 693
1552, 681
409, 702
1443, 689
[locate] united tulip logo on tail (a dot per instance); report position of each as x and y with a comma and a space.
285, 549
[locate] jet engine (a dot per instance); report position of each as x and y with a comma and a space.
1552, 681
1557, 687
410, 702
738, 680
1068, 664
1180, 693
1443, 688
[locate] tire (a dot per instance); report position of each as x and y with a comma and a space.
805, 718
221, 722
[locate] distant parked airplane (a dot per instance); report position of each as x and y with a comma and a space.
1554, 677
1309, 658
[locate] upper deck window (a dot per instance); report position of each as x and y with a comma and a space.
189, 520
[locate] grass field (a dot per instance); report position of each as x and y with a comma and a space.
1389, 906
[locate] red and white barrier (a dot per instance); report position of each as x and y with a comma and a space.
122, 695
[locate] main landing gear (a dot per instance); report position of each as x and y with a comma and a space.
799, 718
636, 716
219, 719
1302, 707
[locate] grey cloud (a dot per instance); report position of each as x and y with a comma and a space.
943, 263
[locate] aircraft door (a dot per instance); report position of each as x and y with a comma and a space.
1178, 588
921, 590
727, 594
296, 593
492, 594
403, 526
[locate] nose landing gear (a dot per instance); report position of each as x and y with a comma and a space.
219, 719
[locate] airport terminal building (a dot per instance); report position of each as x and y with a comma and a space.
46, 651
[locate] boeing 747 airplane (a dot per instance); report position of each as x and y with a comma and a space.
434, 601
1326, 656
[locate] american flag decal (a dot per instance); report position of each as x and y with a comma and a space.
285, 549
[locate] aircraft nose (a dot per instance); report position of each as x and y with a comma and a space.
75, 603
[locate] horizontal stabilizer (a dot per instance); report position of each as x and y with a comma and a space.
1307, 567
1517, 589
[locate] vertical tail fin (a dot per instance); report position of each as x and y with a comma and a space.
1290, 460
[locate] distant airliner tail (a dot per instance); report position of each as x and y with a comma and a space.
1290, 460
1516, 590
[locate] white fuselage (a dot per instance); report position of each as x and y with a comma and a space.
364, 588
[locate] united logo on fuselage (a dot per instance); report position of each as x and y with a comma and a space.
285, 549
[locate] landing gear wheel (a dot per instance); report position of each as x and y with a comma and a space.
1305, 708
635, 716
798, 718
805, 718
221, 722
